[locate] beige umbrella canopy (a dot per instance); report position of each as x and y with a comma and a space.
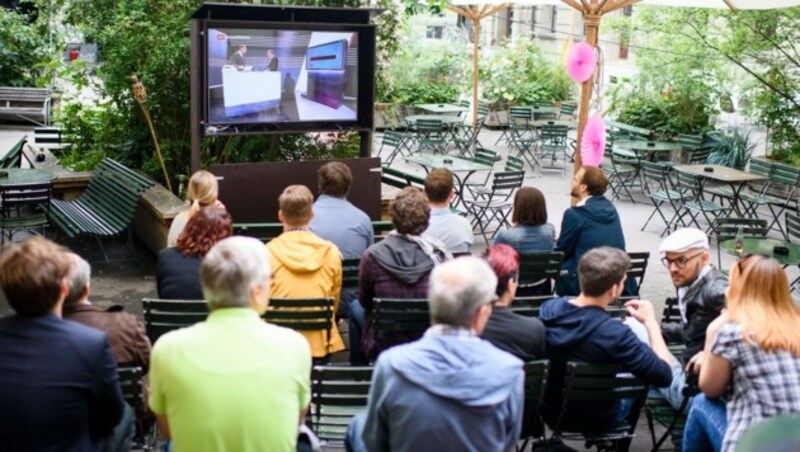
592, 11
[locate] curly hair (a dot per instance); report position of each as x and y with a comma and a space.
410, 211
205, 228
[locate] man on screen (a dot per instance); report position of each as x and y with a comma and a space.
272, 61
237, 59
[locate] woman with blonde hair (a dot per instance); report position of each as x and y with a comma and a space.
754, 349
203, 191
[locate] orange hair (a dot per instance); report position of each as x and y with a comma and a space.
759, 299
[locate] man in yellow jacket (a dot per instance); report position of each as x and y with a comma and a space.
305, 265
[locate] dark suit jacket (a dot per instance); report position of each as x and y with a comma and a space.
272, 65
59, 388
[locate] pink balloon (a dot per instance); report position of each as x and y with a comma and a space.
593, 142
581, 61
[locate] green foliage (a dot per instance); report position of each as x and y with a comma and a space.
24, 51
517, 73
732, 149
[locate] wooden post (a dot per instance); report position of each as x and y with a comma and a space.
592, 25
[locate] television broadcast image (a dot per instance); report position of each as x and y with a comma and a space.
273, 76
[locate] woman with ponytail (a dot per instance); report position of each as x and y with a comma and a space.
203, 191
750, 369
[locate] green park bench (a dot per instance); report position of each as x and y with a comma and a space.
106, 208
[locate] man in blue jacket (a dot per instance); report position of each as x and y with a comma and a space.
592, 222
579, 329
449, 390
59, 388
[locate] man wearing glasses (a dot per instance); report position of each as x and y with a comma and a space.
701, 297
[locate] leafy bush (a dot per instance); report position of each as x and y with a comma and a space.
24, 51
732, 149
517, 73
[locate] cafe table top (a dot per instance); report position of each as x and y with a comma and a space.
453, 163
720, 173
555, 122
444, 118
441, 108
765, 247
25, 176
647, 146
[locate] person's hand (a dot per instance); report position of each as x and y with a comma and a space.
696, 362
641, 310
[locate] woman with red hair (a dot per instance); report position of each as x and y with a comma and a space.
750, 368
178, 268
521, 336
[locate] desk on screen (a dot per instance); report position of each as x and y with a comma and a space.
246, 92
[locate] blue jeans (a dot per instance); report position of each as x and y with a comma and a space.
705, 426
673, 393
355, 323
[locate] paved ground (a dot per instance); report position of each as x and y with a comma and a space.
127, 281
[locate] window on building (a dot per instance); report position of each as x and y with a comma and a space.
553, 18
627, 11
509, 23
434, 32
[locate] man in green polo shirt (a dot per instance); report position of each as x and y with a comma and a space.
233, 382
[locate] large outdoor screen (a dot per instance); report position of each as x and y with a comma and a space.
275, 76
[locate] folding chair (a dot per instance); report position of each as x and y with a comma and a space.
478, 188
397, 143
514, 164
728, 228
552, 144
636, 271
619, 173
504, 125
658, 187
497, 204
25, 207
522, 138
593, 383
398, 321
567, 111
536, 373
793, 235
752, 196
430, 134
787, 178
163, 316
304, 315
337, 394
538, 273
466, 138
691, 188
130, 382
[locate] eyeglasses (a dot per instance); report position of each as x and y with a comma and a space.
679, 262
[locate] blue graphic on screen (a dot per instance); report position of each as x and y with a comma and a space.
327, 56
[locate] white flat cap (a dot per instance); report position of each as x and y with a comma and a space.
684, 240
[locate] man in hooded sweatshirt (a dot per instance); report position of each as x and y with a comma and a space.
449, 390
579, 329
592, 222
305, 265
396, 267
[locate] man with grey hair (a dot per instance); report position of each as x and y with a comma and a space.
232, 382
449, 390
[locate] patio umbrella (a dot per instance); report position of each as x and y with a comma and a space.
592, 11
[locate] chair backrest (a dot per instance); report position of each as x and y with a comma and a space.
337, 394
401, 315
727, 228
130, 383
779, 433
688, 184
655, 177
301, 314
597, 383
793, 227
381, 227
761, 167
536, 373
18, 195
483, 110
699, 156
638, 268
553, 135
690, 141
787, 176
538, 272
393, 139
13, 158
261, 231
514, 163
350, 273
567, 110
163, 316
507, 181
484, 156
429, 125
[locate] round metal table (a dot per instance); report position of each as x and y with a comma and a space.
25, 176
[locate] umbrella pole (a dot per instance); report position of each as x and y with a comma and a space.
592, 25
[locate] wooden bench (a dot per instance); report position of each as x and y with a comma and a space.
107, 206
26, 103
13, 157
